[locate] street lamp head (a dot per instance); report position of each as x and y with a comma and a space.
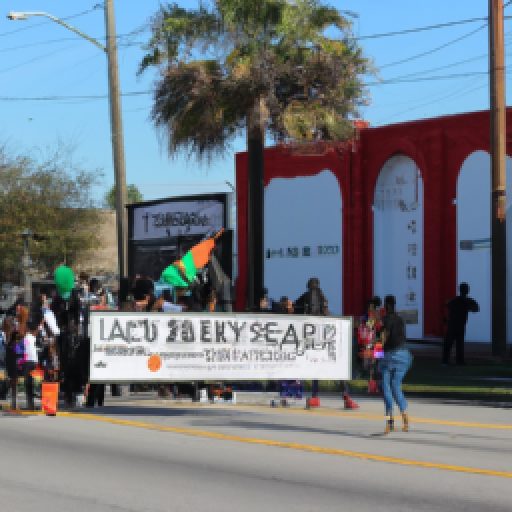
17, 16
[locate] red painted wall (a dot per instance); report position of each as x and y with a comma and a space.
438, 146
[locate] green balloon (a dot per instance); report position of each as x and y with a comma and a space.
64, 281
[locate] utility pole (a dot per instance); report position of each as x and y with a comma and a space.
117, 138
115, 117
498, 193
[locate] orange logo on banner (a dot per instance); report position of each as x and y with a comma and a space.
154, 363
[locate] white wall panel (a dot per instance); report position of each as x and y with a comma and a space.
303, 236
398, 239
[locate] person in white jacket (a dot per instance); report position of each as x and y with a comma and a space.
48, 331
30, 360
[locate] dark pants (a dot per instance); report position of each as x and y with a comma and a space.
454, 334
314, 388
14, 391
96, 395
115, 390
28, 366
4, 387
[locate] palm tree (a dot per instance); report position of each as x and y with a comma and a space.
287, 68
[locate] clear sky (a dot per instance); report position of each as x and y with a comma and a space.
420, 74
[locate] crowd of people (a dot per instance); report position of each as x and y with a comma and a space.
381, 351
29, 335
50, 336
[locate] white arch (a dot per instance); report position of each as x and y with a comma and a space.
474, 223
398, 239
303, 236
474, 239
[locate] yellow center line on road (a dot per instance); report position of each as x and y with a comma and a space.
413, 419
315, 412
284, 444
355, 415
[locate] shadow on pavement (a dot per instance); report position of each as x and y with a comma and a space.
168, 412
212, 418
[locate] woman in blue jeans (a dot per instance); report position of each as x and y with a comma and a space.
394, 365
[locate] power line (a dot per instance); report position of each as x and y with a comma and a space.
70, 39
144, 28
427, 27
32, 60
426, 78
438, 99
39, 43
420, 29
433, 50
87, 97
149, 92
453, 64
66, 98
440, 68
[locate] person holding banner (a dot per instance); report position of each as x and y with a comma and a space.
314, 302
394, 365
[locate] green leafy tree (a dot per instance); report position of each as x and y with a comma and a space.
290, 68
133, 194
51, 199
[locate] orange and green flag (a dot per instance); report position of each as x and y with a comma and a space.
182, 272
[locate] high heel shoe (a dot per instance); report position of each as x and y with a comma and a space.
405, 422
349, 403
390, 425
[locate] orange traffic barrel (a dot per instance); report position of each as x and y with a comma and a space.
49, 397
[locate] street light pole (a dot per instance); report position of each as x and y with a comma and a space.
115, 119
117, 138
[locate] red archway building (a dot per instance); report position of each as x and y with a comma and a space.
438, 147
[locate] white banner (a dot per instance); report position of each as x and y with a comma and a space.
175, 218
160, 347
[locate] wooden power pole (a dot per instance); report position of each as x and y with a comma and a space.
117, 139
498, 159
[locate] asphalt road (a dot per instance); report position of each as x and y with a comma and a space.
150, 455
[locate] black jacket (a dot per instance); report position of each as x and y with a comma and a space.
458, 309
394, 327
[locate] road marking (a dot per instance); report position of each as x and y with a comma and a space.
346, 414
412, 419
312, 412
284, 444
